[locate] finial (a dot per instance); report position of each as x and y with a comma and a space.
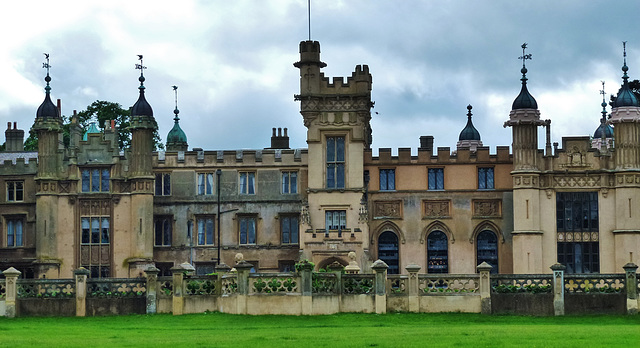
176, 111
604, 104
524, 57
469, 107
141, 68
625, 68
46, 65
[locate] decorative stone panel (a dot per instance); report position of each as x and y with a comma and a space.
387, 209
436, 208
487, 208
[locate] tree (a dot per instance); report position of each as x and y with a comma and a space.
99, 111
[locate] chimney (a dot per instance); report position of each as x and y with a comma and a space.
14, 138
279, 141
426, 143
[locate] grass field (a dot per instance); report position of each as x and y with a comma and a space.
342, 330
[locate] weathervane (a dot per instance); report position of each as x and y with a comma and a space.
46, 65
602, 91
140, 66
524, 56
176, 111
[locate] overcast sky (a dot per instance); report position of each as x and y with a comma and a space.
232, 62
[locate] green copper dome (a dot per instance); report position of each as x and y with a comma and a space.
625, 95
469, 132
176, 135
92, 129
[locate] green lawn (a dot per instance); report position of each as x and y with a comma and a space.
342, 330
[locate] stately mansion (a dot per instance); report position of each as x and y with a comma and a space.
118, 211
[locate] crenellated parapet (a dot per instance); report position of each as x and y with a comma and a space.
443, 156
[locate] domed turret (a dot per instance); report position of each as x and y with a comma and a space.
469, 132
93, 128
47, 110
625, 95
176, 139
524, 100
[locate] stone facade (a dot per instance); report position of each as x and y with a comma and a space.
116, 212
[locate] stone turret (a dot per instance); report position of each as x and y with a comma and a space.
469, 136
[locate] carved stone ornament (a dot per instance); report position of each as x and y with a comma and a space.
487, 208
392, 209
576, 181
438, 208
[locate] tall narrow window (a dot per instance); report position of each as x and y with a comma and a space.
95, 237
14, 232
289, 229
387, 179
335, 162
205, 230
485, 178
388, 251
436, 178
437, 253
163, 184
163, 225
289, 182
15, 191
205, 183
487, 249
577, 228
247, 183
335, 219
247, 226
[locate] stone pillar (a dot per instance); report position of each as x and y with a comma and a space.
11, 274
380, 267
243, 268
413, 287
558, 288
221, 269
485, 287
178, 273
631, 284
151, 274
305, 268
81, 275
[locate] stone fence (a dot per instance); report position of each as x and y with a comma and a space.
306, 292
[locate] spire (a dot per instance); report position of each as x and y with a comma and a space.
625, 95
608, 130
524, 100
47, 110
176, 139
469, 132
141, 107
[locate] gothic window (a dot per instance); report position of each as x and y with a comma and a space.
162, 230
247, 229
289, 182
577, 228
206, 230
388, 251
247, 183
335, 219
289, 229
95, 179
436, 178
14, 228
485, 179
163, 184
205, 183
335, 162
15, 191
437, 253
487, 249
387, 179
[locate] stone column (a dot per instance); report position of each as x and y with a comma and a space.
81, 275
413, 287
11, 274
221, 269
178, 286
558, 288
380, 267
151, 274
485, 287
305, 268
243, 268
631, 284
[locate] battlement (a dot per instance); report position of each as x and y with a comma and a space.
359, 82
443, 156
230, 158
18, 163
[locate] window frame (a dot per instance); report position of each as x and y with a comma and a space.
96, 180
247, 186
335, 162
205, 187
287, 187
386, 185
12, 191
479, 259
339, 215
162, 184
286, 220
243, 219
205, 235
438, 178
17, 240
484, 183
167, 236
437, 259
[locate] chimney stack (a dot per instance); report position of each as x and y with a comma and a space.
279, 141
14, 138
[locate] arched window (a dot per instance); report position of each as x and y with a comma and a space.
487, 249
437, 253
388, 251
